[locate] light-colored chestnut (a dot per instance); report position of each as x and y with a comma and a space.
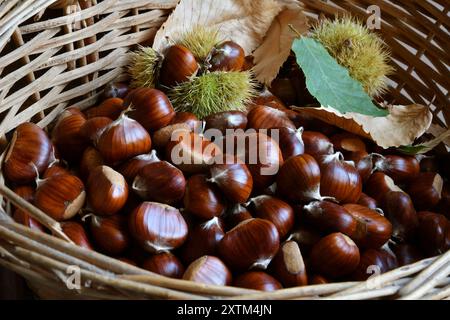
289, 267
107, 191
158, 227
208, 270
251, 244
29, 151
60, 196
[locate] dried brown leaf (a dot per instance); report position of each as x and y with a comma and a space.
275, 49
401, 127
242, 21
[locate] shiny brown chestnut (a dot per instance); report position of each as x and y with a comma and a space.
60, 196
131, 168
110, 108
330, 217
54, 170
348, 143
202, 199
23, 217
264, 117
90, 160
158, 227
426, 190
378, 185
432, 233
107, 191
364, 165
93, 127
407, 254
110, 234
367, 201
289, 267
339, 179
28, 151
226, 120
399, 209
399, 168
235, 215
274, 210
257, 280
233, 179
150, 107
290, 141
203, 240
66, 135
334, 256
306, 237
227, 56
428, 163
163, 136
161, 182
178, 66
373, 229
76, 232
165, 264
208, 270
187, 118
123, 139
317, 144
251, 244
374, 262
299, 179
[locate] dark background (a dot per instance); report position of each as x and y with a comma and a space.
13, 287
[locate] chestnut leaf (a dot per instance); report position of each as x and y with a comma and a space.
330, 83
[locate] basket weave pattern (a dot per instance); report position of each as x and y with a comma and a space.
55, 54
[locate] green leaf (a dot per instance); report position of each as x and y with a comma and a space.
329, 82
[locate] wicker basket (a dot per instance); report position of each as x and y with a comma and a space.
60, 54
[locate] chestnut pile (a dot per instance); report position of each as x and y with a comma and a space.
337, 205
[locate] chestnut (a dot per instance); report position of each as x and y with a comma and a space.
407, 254
257, 280
203, 199
208, 270
150, 107
432, 233
110, 234
339, 179
330, 217
190, 152
235, 215
378, 185
290, 142
399, 168
275, 210
367, 201
318, 279
93, 127
299, 179
251, 244
131, 168
54, 170
227, 56
67, 137
288, 265
334, 256
426, 190
428, 163
165, 264
373, 229
178, 66
90, 160
265, 117
233, 179
158, 227
110, 108
24, 218
161, 182
163, 136
28, 151
364, 164
75, 232
123, 139
187, 118
399, 209
317, 144
107, 191
306, 237
226, 120
348, 143
60, 196
374, 261
203, 240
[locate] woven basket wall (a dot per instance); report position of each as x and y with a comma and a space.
56, 54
